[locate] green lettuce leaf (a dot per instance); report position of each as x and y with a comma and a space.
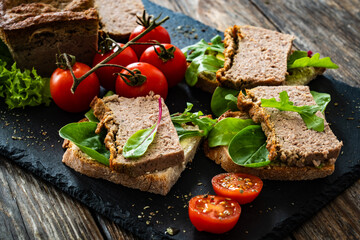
300, 59
23, 88
307, 113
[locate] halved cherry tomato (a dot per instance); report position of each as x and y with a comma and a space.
214, 214
61, 82
159, 34
106, 75
155, 81
173, 65
241, 187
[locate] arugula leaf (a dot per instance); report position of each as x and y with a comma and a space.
22, 89
221, 101
298, 60
139, 142
248, 147
83, 135
202, 47
224, 131
203, 63
321, 99
205, 124
307, 113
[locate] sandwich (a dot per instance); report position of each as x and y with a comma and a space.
249, 57
157, 170
287, 149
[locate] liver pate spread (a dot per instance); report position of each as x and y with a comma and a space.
253, 57
122, 117
288, 138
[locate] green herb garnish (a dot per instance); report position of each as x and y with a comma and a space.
307, 113
300, 59
221, 101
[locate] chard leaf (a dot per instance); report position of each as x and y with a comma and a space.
307, 113
205, 124
83, 135
321, 99
224, 131
221, 101
248, 147
203, 63
140, 141
298, 60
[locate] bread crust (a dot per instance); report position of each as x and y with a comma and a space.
220, 155
159, 182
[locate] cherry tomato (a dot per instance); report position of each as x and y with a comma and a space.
61, 82
159, 34
173, 68
214, 214
106, 75
241, 187
155, 81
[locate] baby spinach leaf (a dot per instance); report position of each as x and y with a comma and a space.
298, 59
321, 99
221, 101
224, 131
140, 141
91, 117
203, 63
307, 113
184, 133
248, 147
83, 135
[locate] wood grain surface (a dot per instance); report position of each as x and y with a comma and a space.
32, 209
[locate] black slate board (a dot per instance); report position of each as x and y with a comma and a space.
30, 138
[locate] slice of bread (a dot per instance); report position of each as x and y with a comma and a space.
254, 57
288, 138
159, 182
118, 17
122, 117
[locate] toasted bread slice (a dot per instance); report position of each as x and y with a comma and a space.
122, 117
271, 172
159, 182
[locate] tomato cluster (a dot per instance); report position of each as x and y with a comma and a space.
147, 60
219, 214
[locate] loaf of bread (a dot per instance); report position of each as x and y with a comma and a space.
36, 31
118, 17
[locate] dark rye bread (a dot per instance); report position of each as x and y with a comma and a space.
122, 117
158, 183
274, 171
254, 56
118, 17
288, 138
48, 27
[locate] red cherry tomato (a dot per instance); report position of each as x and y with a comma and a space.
214, 214
61, 82
106, 75
174, 68
159, 34
241, 187
155, 81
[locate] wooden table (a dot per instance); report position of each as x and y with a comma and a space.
37, 210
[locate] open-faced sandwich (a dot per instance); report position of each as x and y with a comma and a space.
137, 142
